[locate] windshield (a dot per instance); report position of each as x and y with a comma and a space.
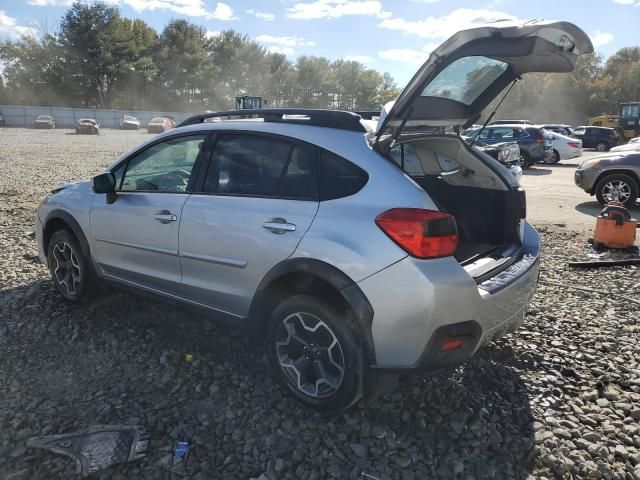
44, 117
465, 79
130, 119
157, 120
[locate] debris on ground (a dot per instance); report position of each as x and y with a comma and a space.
96, 447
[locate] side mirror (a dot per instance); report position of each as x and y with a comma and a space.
105, 183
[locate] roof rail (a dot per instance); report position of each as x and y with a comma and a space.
369, 115
303, 116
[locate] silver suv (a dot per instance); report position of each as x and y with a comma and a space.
353, 249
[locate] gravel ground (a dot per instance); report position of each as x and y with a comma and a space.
558, 399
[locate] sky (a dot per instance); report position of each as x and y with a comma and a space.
390, 36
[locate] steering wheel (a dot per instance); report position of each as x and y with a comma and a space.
174, 181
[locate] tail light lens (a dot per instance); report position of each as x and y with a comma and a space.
522, 196
539, 138
574, 144
422, 233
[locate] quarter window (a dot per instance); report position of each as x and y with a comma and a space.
163, 167
261, 166
339, 177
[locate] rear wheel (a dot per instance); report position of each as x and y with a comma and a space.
526, 160
602, 146
314, 352
617, 188
552, 158
70, 269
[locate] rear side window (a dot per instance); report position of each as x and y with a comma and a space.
262, 167
339, 177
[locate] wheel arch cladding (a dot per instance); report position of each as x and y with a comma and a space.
61, 220
317, 278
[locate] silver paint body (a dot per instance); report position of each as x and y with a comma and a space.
217, 251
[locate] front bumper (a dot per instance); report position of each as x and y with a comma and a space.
419, 304
586, 179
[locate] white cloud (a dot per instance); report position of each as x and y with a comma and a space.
262, 15
9, 26
191, 8
212, 33
408, 55
279, 49
223, 12
336, 8
601, 38
624, 2
50, 3
285, 41
447, 25
359, 58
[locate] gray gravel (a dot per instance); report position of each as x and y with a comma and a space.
560, 398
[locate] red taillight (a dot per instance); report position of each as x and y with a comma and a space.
422, 233
573, 144
539, 138
451, 344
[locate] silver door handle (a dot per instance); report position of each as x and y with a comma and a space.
165, 217
279, 227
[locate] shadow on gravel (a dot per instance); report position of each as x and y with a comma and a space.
536, 171
122, 359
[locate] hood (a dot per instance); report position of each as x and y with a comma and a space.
464, 74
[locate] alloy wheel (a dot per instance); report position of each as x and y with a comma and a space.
616, 190
310, 355
66, 268
601, 146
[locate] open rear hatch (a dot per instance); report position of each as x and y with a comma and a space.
459, 79
464, 74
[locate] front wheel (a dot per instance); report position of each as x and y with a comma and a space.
602, 146
70, 269
314, 352
617, 188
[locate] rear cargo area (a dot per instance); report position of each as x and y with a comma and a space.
484, 206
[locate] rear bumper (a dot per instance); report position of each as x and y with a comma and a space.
419, 305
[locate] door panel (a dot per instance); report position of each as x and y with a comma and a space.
131, 244
259, 197
225, 249
135, 238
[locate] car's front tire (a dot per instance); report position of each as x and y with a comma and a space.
70, 269
617, 187
313, 351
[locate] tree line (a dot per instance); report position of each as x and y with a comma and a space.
99, 58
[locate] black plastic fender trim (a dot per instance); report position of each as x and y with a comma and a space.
75, 227
348, 289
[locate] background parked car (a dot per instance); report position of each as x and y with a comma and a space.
2, 122
563, 148
510, 122
611, 177
600, 138
534, 142
159, 125
129, 122
87, 126
507, 153
561, 128
44, 121
629, 147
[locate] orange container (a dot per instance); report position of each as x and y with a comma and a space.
615, 228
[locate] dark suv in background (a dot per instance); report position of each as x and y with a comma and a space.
534, 142
600, 138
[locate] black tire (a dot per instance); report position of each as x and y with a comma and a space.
80, 283
623, 183
602, 146
552, 158
526, 160
309, 349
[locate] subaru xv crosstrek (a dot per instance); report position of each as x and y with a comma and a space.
313, 231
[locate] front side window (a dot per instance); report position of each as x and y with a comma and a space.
261, 166
163, 167
465, 79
